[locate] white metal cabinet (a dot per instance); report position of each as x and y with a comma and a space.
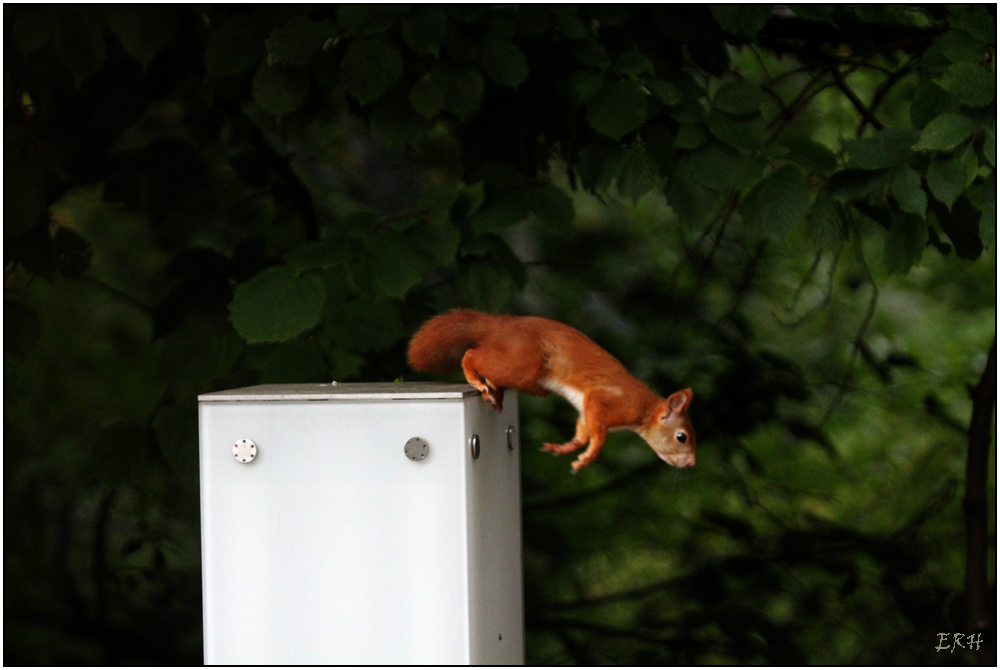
329, 545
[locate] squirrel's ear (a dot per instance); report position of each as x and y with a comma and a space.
678, 402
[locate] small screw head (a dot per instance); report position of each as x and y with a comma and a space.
474, 446
511, 437
244, 451
416, 448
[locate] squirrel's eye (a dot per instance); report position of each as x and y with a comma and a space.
682, 437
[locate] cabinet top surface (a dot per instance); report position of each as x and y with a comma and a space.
363, 391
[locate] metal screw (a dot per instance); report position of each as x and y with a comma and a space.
474, 445
416, 449
511, 435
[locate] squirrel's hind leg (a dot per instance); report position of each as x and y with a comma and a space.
490, 393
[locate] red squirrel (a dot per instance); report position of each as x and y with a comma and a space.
540, 356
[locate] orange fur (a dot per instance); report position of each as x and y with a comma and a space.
539, 356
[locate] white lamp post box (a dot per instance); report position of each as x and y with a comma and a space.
360, 524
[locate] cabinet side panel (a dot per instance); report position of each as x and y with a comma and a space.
331, 546
496, 602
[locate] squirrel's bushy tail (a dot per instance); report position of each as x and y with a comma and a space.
441, 342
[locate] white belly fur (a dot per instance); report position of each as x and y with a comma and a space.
575, 396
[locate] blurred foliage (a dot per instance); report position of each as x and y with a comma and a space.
790, 209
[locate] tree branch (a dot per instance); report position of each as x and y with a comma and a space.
859, 336
984, 397
885, 87
855, 100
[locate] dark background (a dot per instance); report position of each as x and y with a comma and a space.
789, 210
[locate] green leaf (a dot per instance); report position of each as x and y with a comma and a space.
600, 163
498, 215
277, 304
423, 29
572, 27
296, 41
966, 50
947, 176
320, 255
886, 148
592, 53
634, 63
777, 204
639, 173
904, 243
689, 111
144, 30
742, 132
692, 135
280, 89
396, 265
929, 102
365, 324
743, 20
978, 21
851, 185
370, 67
946, 132
79, 45
296, 362
738, 97
437, 239
33, 28
470, 199
908, 191
711, 166
367, 19
503, 62
665, 92
971, 84
484, 284
660, 144
810, 154
427, 96
124, 454
619, 108
235, 46
825, 226
692, 201
463, 89
961, 224
177, 435
585, 84
203, 347
439, 197
548, 202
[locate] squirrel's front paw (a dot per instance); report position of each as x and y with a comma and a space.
581, 462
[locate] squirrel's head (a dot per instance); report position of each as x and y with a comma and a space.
669, 432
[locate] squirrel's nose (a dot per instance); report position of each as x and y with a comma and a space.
679, 460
